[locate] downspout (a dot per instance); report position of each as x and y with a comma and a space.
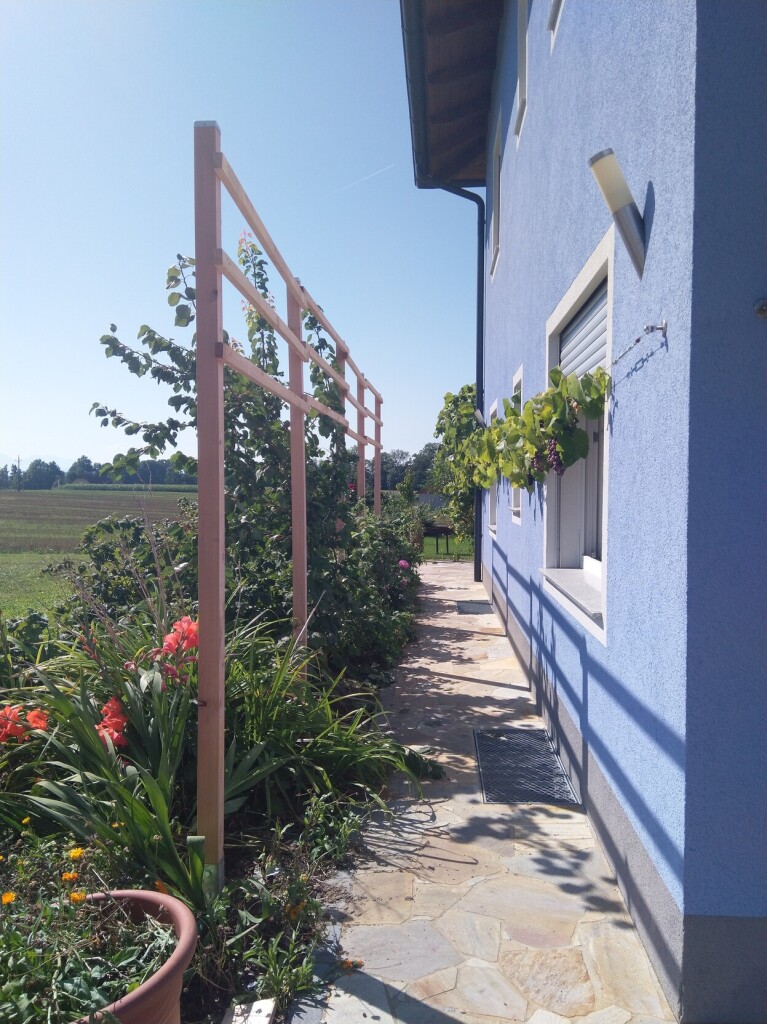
480, 349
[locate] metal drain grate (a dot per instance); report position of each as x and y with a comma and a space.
521, 766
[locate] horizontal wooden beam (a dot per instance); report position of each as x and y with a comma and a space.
248, 369
360, 407
246, 288
248, 210
331, 371
321, 408
363, 439
308, 302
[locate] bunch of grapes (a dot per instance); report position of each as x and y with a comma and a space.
553, 456
538, 463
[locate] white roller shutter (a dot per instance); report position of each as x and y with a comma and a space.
583, 342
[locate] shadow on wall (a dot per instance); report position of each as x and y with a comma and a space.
541, 665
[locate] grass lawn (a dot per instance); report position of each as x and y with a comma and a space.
53, 522
464, 550
24, 586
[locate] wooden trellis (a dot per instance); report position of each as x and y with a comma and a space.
211, 171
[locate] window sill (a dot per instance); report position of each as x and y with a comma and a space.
580, 587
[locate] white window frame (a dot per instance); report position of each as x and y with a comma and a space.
598, 266
521, 67
516, 492
555, 18
492, 491
495, 218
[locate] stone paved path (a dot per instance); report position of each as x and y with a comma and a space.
471, 912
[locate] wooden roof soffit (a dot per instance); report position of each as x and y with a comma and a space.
450, 57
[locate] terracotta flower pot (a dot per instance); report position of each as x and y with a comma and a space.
158, 999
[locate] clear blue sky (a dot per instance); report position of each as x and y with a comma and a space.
97, 104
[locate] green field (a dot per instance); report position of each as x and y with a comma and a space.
24, 586
51, 522
40, 527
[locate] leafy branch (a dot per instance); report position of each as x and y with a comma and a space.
543, 435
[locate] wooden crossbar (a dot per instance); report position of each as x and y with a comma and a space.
364, 409
248, 210
246, 288
331, 371
308, 303
249, 369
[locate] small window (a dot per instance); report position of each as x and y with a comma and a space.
516, 492
492, 497
521, 65
495, 217
575, 501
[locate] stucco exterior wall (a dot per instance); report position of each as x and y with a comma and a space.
628, 696
654, 699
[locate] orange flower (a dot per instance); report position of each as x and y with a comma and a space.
69, 876
78, 896
114, 713
105, 730
37, 719
8, 897
10, 723
161, 887
184, 634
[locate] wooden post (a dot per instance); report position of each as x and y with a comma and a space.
298, 478
377, 460
360, 444
211, 527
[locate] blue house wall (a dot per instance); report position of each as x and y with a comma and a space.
661, 716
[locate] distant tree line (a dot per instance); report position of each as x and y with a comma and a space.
42, 476
398, 469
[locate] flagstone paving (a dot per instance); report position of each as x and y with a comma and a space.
463, 911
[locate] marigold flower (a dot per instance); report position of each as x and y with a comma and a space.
69, 876
37, 719
350, 965
78, 896
76, 853
8, 897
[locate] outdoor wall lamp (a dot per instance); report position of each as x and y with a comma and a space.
628, 220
